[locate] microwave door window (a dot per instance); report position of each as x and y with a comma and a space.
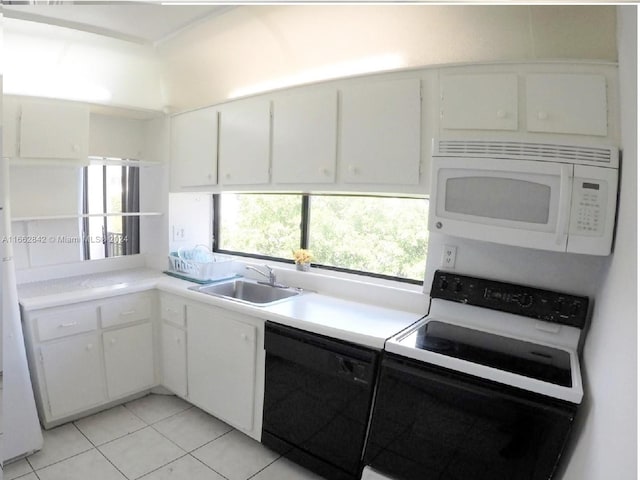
504, 199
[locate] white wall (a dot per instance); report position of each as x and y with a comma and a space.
190, 213
49, 61
254, 47
606, 436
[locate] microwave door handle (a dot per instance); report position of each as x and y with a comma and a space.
566, 174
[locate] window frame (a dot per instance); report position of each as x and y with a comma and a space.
304, 235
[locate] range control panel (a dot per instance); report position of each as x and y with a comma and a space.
521, 300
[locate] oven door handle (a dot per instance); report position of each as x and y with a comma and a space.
456, 381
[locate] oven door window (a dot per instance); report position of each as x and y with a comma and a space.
431, 423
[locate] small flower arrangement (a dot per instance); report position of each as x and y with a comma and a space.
302, 256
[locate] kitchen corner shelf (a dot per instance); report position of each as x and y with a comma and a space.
86, 215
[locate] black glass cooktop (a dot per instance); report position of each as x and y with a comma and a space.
517, 356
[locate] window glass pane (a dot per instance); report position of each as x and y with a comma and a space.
111, 189
261, 224
113, 182
380, 235
94, 189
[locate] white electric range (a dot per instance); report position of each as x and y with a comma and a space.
486, 386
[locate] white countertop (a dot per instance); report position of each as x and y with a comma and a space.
357, 322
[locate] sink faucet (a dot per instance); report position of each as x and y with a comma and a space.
269, 274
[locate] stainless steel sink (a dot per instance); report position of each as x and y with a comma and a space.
249, 292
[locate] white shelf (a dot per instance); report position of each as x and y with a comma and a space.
39, 162
123, 162
86, 215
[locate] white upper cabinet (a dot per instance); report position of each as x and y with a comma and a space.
380, 132
479, 101
194, 149
567, 103
54, 130
304, 137
115, 137
245, 131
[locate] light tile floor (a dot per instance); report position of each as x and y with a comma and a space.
157, 437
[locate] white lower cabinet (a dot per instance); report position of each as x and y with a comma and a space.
222, 364
73, 374
128, 358
174, 359
92, 355
78, 363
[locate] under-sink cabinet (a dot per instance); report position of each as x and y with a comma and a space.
90, 354
225, 358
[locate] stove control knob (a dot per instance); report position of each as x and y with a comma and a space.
525, 300
574, 309
443, 284
458, 287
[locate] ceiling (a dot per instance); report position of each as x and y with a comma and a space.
136, 21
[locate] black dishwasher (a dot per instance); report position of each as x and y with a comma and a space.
318, 393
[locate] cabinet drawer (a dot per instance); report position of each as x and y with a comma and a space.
172, 310
66, 322
125, 309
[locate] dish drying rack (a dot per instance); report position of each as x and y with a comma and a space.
200, 264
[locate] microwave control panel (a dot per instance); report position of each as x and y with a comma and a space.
588, 209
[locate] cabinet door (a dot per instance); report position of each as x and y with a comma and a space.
174, 359
245, 130
128, 355
115, 137
380, 133
194, 149
481, 102
567, 103
304, 138
73, 374
221, 355
54, 130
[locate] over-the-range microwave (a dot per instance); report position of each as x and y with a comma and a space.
536, 195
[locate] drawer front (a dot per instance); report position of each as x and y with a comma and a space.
172, 310
125, 309
67, 321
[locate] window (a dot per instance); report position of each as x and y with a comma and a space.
379, 236
110, 191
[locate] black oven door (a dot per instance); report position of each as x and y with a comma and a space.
433, 423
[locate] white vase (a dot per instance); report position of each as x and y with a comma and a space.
303, 267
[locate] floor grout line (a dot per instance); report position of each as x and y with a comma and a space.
265, 467
156, 469
162, 419
208, 466
63, 459
95, 447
